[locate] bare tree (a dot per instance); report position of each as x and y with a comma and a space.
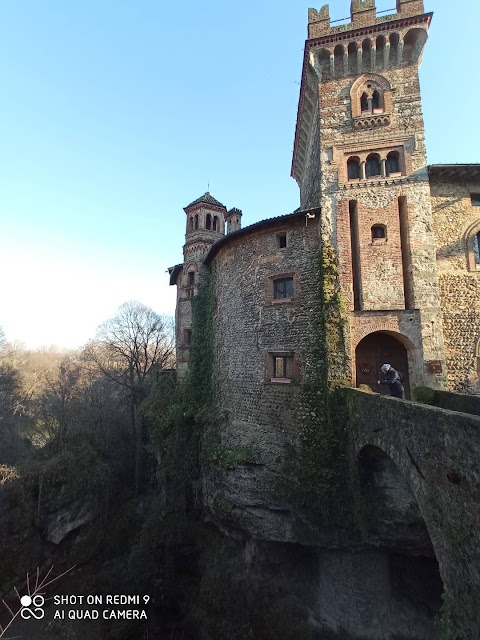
129, 349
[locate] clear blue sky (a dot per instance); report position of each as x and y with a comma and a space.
115, 114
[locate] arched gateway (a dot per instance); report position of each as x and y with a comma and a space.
374, 350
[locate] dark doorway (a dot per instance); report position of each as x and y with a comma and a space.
373, 351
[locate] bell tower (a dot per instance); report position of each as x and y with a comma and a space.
360, 155
204, 225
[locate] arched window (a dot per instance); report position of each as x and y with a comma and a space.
190, 223
471, 242
364, 102
375, 100
215, 223
353, 168
196, 221
208, 224
338, 60
476, 248
373, 166
379, 232
352, 58
393, 163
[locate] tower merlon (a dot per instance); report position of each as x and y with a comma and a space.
363, 13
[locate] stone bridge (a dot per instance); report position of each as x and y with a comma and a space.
435, 453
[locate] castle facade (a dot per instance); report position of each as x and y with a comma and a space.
405, 235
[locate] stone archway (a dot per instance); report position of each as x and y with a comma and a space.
408, 567
374, 350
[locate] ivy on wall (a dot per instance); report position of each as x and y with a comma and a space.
316, 478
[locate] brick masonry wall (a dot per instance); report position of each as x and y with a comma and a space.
453, 215
382, 280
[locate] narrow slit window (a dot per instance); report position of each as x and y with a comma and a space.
281, 240
280, 367
476, 248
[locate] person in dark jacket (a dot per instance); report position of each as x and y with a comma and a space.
394, 379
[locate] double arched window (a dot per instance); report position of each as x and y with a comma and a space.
371, 100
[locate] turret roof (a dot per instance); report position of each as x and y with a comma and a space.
205, 199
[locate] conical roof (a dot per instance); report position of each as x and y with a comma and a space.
206, 199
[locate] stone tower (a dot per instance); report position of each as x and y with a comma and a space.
360, 155
205, 224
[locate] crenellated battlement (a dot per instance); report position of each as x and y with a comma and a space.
363, 13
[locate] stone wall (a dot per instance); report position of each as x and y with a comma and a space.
455, 220
436, 452
457, 402
251, 328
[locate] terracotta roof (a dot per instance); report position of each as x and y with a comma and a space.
258, 226
205, 199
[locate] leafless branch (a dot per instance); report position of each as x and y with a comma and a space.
37, 591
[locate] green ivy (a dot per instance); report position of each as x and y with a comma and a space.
315, 476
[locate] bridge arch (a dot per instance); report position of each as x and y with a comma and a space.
377, 348
395, 521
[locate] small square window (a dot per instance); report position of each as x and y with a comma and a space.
281, 240
379, 232
281, 367
475, 198
283, 288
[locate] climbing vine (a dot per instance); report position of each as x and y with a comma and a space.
316, 471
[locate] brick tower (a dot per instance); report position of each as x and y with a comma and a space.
360, 155
205, 224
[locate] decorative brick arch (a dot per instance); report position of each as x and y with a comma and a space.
377, 82
390, 328
374, 349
